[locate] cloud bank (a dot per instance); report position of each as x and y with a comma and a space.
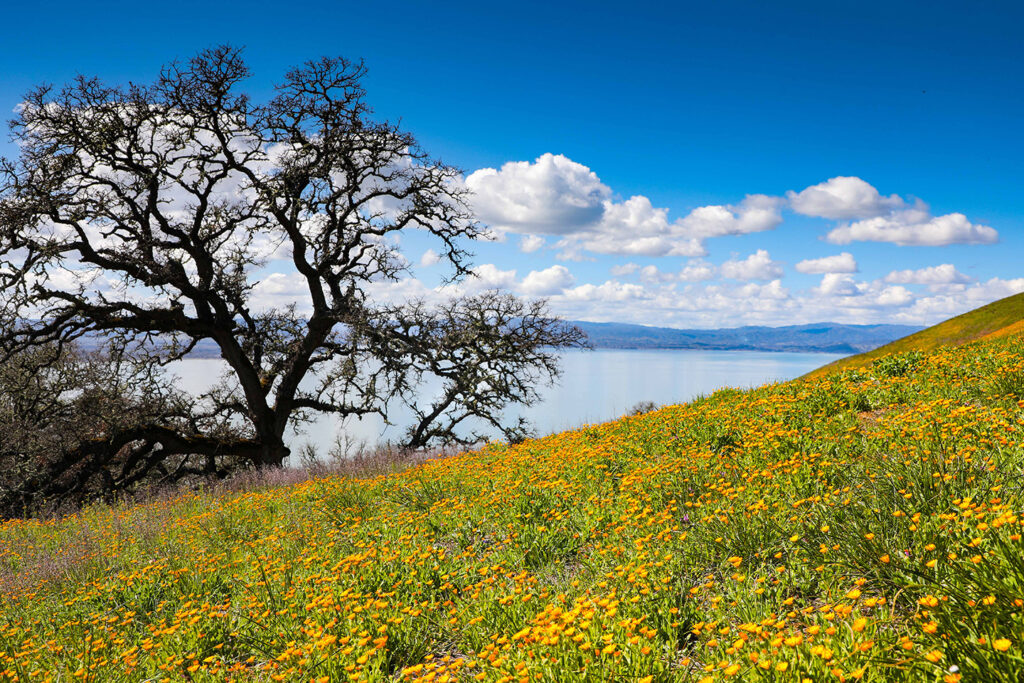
659, 268
558, 197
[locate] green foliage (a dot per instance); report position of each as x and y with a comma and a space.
897, 364
1008, 384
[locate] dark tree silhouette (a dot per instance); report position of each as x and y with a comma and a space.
145, 216
77, 425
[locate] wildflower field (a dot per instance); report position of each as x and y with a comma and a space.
865, 525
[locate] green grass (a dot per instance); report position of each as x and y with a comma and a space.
865, 525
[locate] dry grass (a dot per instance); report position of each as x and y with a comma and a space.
143, 518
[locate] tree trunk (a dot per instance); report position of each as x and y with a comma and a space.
272, 453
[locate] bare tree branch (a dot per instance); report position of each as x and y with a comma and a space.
147, 216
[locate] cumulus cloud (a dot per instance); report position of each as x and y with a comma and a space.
939, 306
554, 202
875, 218
697, 271
429, 258
635, 228
839, 263
841, 290
610, 291
653, 274
839, 297
756, 213
836, 284
553, 280
554, 195
945, 274
530, 243
713, 305
757, 266
489, 276
842, 198
773, 291
915, 227
893, 296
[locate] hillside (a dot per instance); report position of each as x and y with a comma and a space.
999, 318
824, 337
864, 526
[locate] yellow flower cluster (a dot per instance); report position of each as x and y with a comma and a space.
861, 526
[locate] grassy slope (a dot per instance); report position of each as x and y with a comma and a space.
996, 319
861, 526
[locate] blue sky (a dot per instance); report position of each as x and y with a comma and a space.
690, 109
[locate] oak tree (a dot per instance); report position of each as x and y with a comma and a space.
146, 217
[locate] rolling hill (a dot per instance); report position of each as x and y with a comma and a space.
844, 528
997, 319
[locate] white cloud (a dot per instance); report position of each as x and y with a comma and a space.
278, 290
664, 304
652, 274
842, 198
773, 291
530, 243
841, 291
876, 218
894, 296
837, 284
915, 227
839, 263
945, 274
697, 271
756, 213
611, 291
839, 298
757, 266
635, 228
489, 276
558, 204
553, 280
429, 258
931, 309
406, 290
553, 196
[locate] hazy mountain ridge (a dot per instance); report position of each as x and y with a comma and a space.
824, 337
814, 337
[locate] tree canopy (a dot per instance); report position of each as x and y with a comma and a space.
145, 216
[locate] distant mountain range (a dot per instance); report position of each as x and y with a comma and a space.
824, 337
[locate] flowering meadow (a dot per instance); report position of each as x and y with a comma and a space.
865, 525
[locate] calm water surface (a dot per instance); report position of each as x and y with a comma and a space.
595, 386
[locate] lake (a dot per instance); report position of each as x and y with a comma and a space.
595, 386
